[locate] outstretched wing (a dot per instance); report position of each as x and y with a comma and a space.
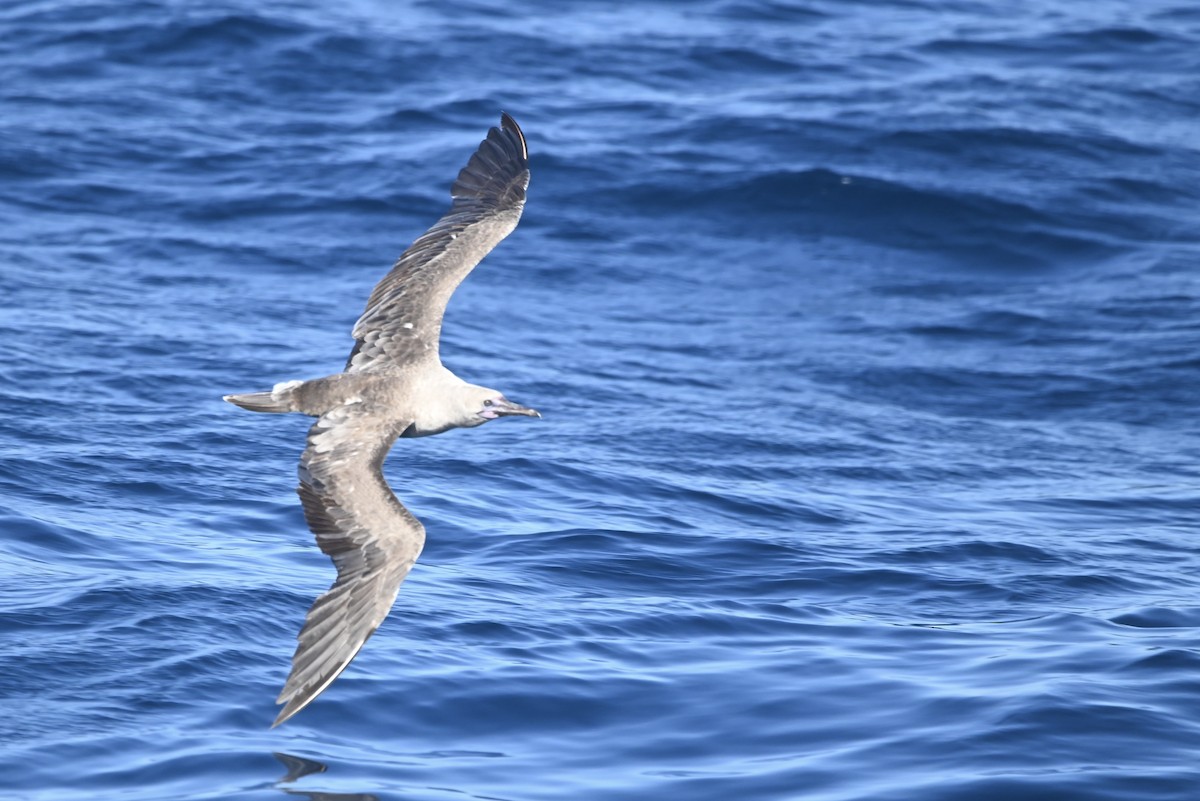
372, 539
403, 319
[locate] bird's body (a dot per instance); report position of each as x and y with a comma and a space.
394, 385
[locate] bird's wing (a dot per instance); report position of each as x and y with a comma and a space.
403, 319
372, 539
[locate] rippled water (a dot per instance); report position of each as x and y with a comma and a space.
865, 335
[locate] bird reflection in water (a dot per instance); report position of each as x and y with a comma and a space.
299, 767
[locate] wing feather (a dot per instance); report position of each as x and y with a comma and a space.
402, 322
371, 538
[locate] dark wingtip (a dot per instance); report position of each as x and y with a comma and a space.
507, 123
498, 171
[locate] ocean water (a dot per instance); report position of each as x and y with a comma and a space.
866, 337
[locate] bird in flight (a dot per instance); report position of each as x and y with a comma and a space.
394, 385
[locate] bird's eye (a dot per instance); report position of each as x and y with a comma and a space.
488, 403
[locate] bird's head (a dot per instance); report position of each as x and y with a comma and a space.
483, 404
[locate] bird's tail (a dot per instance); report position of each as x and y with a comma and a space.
279, 400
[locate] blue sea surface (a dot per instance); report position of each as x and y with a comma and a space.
866, 335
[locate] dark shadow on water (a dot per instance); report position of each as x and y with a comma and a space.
299, 767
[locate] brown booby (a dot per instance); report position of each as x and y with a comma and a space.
394, 385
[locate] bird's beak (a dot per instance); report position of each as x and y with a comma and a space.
509, 408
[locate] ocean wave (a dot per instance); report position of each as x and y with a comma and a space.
864, 335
